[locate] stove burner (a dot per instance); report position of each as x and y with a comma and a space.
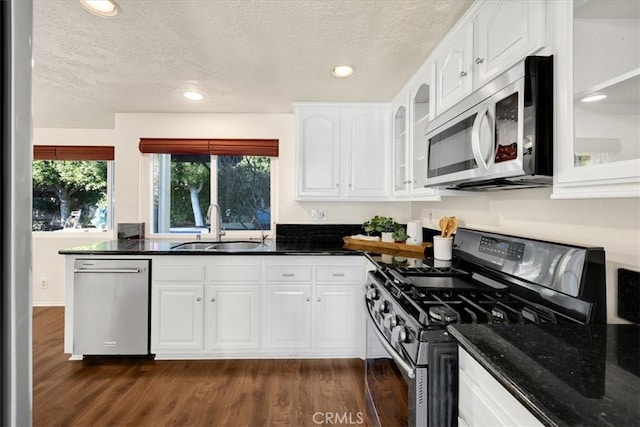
443, 314
428, 271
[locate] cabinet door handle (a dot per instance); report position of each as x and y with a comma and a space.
319, 299
213, 300
479, 60
338, 274
288, 274
337, 184
198, 299
308, 299
463, 73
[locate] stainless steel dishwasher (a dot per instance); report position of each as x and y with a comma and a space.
111, 307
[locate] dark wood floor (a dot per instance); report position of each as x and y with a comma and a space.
187, 393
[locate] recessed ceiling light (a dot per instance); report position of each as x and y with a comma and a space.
194, 96
342, 71
105, 8
593, 98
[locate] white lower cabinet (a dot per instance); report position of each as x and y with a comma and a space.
232, 317
177, 322
324, 320
287, 317
483, 401
338, 319
253, 306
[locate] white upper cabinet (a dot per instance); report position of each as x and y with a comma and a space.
343, 151
491, 38
400, 146
413, 109
421, 111
597, 142
453, 69
504, 32
318, 143
366, 140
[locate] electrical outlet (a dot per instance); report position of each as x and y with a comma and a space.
44, 283
318, 214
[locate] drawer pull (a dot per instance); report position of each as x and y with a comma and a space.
338, 274
288, 274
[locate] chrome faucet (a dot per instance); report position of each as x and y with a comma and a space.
262, 235
219, 230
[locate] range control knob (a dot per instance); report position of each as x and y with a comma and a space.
390, 321
381, 306
372, 293
399, 334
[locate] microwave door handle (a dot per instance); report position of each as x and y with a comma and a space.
477, 142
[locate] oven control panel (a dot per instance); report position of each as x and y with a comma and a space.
513, 251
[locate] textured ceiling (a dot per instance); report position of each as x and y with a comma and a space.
245, 56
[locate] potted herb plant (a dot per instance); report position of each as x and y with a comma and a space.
400, 235
383, 225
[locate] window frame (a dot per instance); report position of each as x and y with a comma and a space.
146, 209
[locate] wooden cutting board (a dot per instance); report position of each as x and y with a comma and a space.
373, 245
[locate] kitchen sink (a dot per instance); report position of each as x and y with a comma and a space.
234, 246
217, 246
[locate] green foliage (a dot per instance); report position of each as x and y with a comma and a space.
60, 187
400, 235
380, 224
243, 188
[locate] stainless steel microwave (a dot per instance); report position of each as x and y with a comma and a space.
499, 137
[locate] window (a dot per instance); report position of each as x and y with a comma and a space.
72, 188
193, 176
184, 187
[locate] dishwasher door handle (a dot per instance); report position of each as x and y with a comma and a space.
107, 270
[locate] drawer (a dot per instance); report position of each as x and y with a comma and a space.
339, 274
289, 274
235, 273
178, 273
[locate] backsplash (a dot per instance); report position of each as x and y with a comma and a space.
328, 232
629, 295
322, 233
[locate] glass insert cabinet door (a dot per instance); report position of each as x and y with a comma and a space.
598, 84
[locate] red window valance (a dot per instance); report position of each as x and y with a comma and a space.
219, 147
73, 152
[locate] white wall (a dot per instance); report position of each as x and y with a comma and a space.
614, 223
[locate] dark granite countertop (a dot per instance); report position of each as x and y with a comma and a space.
575, 375
164, 247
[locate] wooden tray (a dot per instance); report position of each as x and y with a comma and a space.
373, 245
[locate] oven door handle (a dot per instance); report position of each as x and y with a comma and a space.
392, 351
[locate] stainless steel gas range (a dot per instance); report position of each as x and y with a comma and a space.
412, 362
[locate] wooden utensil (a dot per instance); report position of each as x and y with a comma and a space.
443, 225
452, 226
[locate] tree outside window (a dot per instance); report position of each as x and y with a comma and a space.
182, 192
71, 193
